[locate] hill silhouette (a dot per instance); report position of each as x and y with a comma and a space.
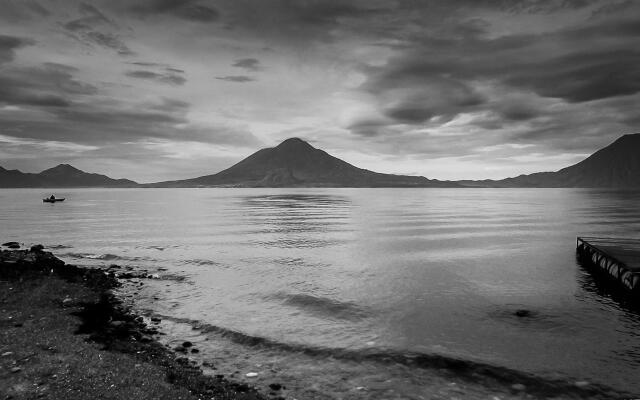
63, 175
295, 162
615, 166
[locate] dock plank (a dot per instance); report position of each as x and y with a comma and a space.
618, 257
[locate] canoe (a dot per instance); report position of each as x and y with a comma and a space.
52, 200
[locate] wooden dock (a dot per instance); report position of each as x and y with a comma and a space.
619, 258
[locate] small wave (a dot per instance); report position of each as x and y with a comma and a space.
106, 257
321, 305
160, 248
474, 371
199, 261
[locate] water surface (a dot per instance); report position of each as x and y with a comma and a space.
391, 271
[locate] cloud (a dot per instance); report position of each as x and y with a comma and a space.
9, 44
164, 66
236, 78
493, 82
85, 30
109, 41
168, 78
250, 64
184, 9
25, 10
51, 85
582, 77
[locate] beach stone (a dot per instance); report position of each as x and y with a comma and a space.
187, 344
243, 388
146, 339
519, 387
37, 248
67, 301
15, 369
251, 374
522, 313
12, 245
275, 386
182, 360
180, 349
195, 351
581, 384
6, 353
156, 320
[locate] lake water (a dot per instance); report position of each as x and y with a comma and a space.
356, 293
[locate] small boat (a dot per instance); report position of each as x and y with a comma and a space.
54, 200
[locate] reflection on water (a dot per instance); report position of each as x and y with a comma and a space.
397, 271
295, 220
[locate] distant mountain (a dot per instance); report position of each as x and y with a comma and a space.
295, 163
615, 166
64, 175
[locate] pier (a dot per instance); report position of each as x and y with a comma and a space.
618, 257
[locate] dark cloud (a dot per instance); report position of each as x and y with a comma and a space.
177, 70
611, 8
24, 10
236, 78
582, 77
51, 85
109, 41
186, 9
171, 106
164, 66
437, 78
85, 30
168, 78
9, 44
250, 64
37, 8
369, 127
93, 11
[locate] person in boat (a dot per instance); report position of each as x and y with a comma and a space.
52, 197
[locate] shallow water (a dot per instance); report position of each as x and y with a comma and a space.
399, 272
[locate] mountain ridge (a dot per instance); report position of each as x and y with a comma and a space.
614, 166
296, 163
60, 176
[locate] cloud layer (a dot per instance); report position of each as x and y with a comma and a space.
456, 89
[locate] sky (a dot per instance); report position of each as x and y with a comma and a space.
155, 90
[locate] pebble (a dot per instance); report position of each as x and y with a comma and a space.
187, 344
251, 374
37, 248
7, 353
581, 384
275, 386
518, 386
16, 369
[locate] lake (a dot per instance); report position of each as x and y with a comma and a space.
327, 290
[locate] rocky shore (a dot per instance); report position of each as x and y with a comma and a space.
64, 335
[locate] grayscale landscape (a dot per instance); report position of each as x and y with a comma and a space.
319, 199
